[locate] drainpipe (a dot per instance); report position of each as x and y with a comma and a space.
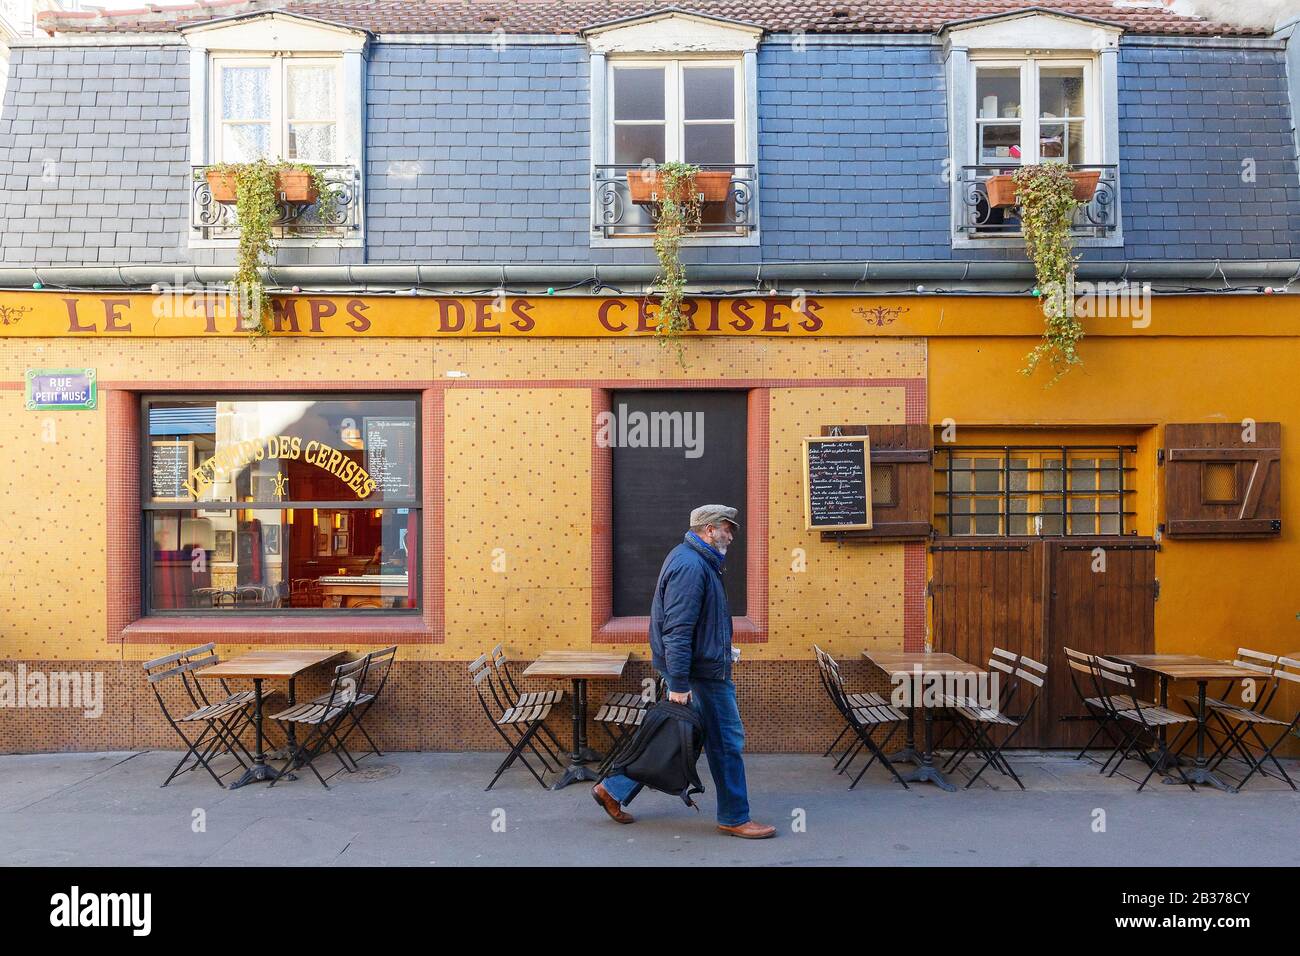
1212, 275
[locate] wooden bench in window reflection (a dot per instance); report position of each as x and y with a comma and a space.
364, 590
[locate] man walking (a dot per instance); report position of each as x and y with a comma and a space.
690, 645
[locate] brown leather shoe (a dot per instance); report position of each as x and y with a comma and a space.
749, 830
610, 805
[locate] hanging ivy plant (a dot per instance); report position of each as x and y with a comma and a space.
257, 212
679, 216
1045, 195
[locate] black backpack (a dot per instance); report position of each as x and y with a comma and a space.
665, 750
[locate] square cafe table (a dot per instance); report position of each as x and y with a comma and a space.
906, 665
267, 665
579, 667
1202, 670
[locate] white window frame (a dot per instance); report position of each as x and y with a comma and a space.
1029, 67
675, 121
279, 119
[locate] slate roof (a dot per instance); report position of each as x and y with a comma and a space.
572, 16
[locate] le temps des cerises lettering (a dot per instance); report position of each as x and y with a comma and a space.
318, 315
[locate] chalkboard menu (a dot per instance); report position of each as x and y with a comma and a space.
172, 463
390, 455
837, 483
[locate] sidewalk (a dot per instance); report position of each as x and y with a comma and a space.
430, 809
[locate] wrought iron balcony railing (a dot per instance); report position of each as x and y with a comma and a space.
217, 220
977, 219
616, 214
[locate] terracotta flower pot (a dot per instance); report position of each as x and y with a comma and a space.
294, 185
1002, 189
645, 186
221, 185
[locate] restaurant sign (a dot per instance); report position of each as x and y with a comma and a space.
59, 389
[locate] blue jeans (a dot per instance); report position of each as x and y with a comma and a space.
724, 739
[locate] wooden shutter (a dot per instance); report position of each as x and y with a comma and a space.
901, 476
1218, 485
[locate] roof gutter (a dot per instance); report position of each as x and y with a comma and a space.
1209, 273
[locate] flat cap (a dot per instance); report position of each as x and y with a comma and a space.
712, 514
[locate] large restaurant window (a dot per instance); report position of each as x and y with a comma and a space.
290, 504
673, 451
1042, 490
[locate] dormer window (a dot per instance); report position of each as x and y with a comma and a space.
667, 88
281, 87
1028, 88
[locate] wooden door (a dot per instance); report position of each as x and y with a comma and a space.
988, 593
1101, 601
1034, 596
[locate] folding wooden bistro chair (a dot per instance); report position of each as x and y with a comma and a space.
862, 721
980, 721
1101, 708
523, 720
1142, 722
868, 699
320, 723
220, 722
378, 665
1240, 724
514, 697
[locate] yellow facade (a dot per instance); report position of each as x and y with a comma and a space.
517, 461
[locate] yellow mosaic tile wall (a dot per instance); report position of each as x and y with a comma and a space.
517, 523
52, 542
52, 534
846, 597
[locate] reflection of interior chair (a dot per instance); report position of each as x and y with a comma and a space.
305, 592
224, 599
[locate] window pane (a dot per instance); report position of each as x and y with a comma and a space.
1110, 474
961, 476
1081, 519
1060, 91
709, 92
636, 144
246, 92
1083, 474
1018, 520
997, 92
282, 450
260, 558
311, 142
1052, 477
989, 512
1061, 141
999, 142
244, 142
311, 93
1110, 523
988, 474
639, 94
710, 143
1019, 474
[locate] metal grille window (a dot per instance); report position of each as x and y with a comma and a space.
1034, 490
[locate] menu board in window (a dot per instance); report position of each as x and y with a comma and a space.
837, 483
391, 448
172, 462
